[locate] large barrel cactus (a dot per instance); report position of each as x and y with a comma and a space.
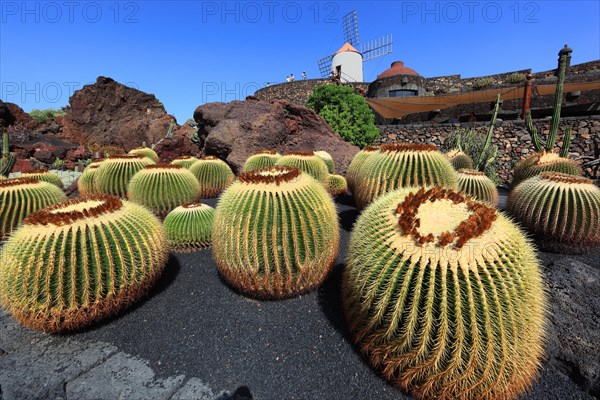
261, 159
189, 227
276, 233
20, 197
336, 185
459, 159
561, 210
477, 185
213, 174
115, 172
402, 165
44, 175
185, 161
145, 151
537, 163
308, 162
356, 163
327, 159
445, 297
80, 261
162, 187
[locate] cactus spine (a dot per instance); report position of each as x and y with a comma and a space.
46, 176
537, 163
185, 162
561, 210
276, 233
80, 261
189, 227
477, 185
114, 173
308, 162
146, 151
357, 161
8, 160
213, 174
327, 159
19, 197
162, 187
444, 296
261, 159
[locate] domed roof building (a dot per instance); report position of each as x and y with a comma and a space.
397, 81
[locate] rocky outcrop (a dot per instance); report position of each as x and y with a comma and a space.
110, 113
235, 130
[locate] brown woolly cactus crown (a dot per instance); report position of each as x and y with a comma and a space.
471, 172
17, 181
402, 147
125, 157
269, 175
265, 151
559, 177
300, 153
163, 166
73, 210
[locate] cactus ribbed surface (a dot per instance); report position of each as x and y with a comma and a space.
477, 185
356, 163
308, 162
189, 227
402, 165
561, 210
19, 197
185, 162
46, 176
86, 182
336, 185
275, 233
261, 159
537, 163
444, 295
146, 151
213, 174
114, 173
459, 159
163, 187
8, 160
80, 261
327, 159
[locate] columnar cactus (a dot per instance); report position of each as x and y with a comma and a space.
19, 197
213, 174
80, 261
8, 160
261, 159
561, 210
356, 163
185, 161
444, 295
327, 159
189, 227
459, 160
336, 185
115, 172
275, 233
402, 165
162, 187
537, 163
308, 162
46, 176
477, 185
146, 151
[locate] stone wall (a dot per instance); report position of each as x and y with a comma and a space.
298, 92
513, 141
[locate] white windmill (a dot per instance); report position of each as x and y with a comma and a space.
347, 61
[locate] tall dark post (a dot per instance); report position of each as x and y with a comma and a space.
527, 95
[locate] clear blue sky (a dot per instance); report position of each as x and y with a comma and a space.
191, 52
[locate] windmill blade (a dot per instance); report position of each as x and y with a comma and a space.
350, 28
325, 66
377, 48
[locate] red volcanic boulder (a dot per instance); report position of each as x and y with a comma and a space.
174, 147
233, 131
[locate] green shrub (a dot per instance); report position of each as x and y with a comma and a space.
483, 82
515, 78
472, 142
347, 113
45, 115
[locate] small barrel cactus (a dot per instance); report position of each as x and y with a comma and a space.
336, 185
86, 183
80, 261
327, 159
261, 159
44, 175
459, 159
308, 162
402, 165
537, 163
146, 151
213, 174
356, 163
276, 233
115, 172
185, 161
189, 227
20, 197
445, 296
477, 185
561, 210
162, 187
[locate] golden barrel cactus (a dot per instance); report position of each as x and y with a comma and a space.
308, 163
327, 159
145, 151
115, 172
261, 159
336, 185
459, 159
44, 175
184, 161
356, 163
189, 227
213, 174
86, 183
537, 163
477, 185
